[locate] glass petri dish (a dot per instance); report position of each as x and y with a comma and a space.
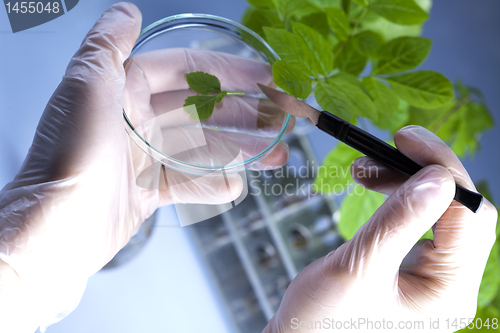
242, 131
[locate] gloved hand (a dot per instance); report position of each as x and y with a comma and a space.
380, 274
75, 203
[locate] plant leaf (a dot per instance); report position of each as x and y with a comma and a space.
428, 117
389, 30
397, 120
257, 19
204, 106
367, 43
344, 99
291, 49
318, 22
424, 89
429, 234
335, 171
402, 54
464, 127
291, 79
491, 279
285, 8
385, 100
322, 51
404, 12
338, 21
357, 209
293, 8
486, 320
351, 79
203, 83
349, 60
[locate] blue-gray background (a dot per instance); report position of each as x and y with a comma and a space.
165, 289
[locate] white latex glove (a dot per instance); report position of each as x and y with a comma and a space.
379, 274
75, 203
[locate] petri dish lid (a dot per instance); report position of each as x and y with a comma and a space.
243, 129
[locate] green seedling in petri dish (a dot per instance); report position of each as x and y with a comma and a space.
209, 89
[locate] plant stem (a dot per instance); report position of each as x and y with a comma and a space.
354, 28
358, 23
236, 93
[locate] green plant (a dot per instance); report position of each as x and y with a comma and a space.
359, 59
208, 86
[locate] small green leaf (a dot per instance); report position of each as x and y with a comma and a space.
257, 19
285, 8
397, 120
389, 30
402, 54
338, 21
344, 99
476, 120
428, 117
404, 12
220, 96
367, 43
464, 127
203, 83
291, 49
423, 89
318, 22
322, 51
291, 80
335, 172
356, 209
204, 106
385, 100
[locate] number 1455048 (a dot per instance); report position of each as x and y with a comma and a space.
32, 7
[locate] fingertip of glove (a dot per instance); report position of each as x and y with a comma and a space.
433, 183
418, 132
128, 8
111, 39
234, 186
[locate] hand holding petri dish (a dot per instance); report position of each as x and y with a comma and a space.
244, 131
